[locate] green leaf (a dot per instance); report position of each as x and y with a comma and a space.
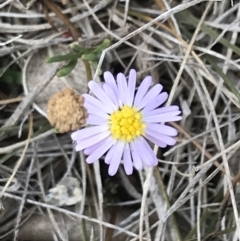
79, 49
60, 58
90, 57
98, 50
67, 69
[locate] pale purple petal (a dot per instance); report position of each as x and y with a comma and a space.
106, 144
122, 87
143, 152
92, 109
163, 129
109, 79
101, 95
108, 156
116, 158
88, 151
142, 90
155, 141
95, 120
164, 117
150, 151
162, 110
127, 160
164, 138
88, 132
159, 100
136, 159
151, 95
98, 104
109, 91
91, 140
131, 86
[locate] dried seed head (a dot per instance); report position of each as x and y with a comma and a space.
66, 111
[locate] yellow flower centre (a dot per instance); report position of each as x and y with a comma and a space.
126, 124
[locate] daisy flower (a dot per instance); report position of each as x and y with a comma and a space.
121, 121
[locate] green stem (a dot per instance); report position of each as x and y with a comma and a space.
88, 69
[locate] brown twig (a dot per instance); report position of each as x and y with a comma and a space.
49, 19
10, 101
52, 6
163, 7
74, 31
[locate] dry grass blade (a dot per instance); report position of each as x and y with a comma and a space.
28, 99
19, 162
5, 3
134, 33
20, 211
100, 196
146, 187
191, 49
186, 56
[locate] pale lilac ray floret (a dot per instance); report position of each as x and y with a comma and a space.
121, 121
